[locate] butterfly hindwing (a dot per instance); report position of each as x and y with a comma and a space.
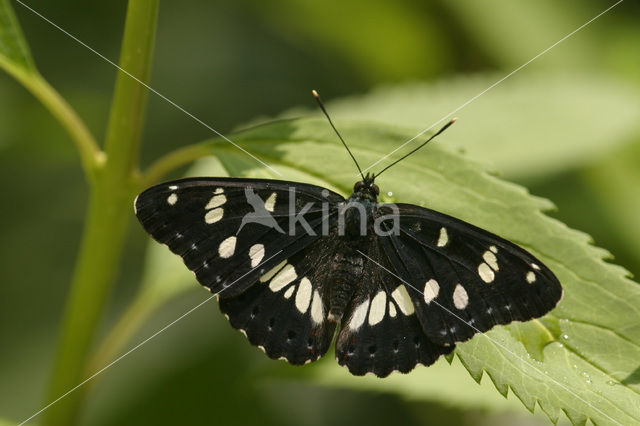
285, 313
230, 231
380, 331
466, 280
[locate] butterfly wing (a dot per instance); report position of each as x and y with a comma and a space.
285, 312
465, 280
230, 231
380, 331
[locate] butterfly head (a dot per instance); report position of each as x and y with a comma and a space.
366, 188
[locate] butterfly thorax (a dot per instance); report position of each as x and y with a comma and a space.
357, 218
359, 210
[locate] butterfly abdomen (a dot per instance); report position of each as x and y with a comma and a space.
348, 271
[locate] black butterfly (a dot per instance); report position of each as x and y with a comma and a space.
293, 262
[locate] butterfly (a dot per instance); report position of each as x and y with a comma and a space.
294, 265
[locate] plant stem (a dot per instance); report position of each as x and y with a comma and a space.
128, 324
90, 155
171, 161
107, 216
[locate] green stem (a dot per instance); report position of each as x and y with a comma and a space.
121, 333
173, 160
90, 155
107, 216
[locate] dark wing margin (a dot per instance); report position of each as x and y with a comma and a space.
380, 331
231, 230
285, 313
465, 280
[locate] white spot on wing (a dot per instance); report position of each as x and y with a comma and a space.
266, 277
378, 306
256, 253
443, 239
282, 278
317, 309
216, 201
460, 297
486, 273
403, 300
135, 205
227, 247
493, 249
173, 187
534, 266
303, 296
531, 277
219, 191
491, 260
270, 203
289, 292
212, 216
172, 199
359, 315
431, 290
392, 310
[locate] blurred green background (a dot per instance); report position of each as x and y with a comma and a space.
233, 63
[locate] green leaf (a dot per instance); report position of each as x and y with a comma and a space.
534, 335
16, 60
614, 182
580, 359
450, 385
511, 33
514, 128
4, 422
13, 46
596, 294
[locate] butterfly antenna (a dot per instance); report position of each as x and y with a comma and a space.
315, 95
445, 127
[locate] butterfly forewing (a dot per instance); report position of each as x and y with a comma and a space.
231, 231
466, 280
381, 332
